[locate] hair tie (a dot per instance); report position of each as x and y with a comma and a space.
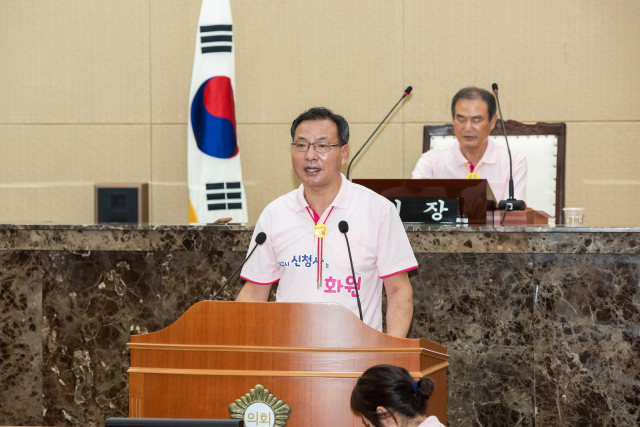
416, 388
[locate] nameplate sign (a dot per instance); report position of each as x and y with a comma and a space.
427, 210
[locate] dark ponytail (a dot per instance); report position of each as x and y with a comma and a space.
391, 387
425, 389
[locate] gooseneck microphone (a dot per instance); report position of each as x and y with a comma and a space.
260, 239
511, 204
407, 91
344, 228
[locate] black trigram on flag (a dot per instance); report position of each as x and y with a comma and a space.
224, 196
216, 38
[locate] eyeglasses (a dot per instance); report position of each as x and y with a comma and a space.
320, 147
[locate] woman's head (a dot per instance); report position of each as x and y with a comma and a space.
387, 392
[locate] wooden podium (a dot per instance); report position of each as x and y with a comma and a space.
308, 355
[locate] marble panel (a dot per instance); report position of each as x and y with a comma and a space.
190, 277
8, 239
82, 240
467, 242
481, 308
187, 278
571, 360
585, 243
201, 239
587, 345
20, 338
93, 302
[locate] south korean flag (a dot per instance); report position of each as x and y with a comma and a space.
215, 175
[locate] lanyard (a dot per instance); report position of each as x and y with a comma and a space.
319, 233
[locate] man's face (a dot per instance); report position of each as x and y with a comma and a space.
319, 170
471, 123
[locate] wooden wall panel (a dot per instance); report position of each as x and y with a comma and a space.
291, 55
602, 172
74, 61
554, 61
129, 62
173, 34
33, 155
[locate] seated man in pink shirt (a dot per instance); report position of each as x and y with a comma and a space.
474, 155
306, 252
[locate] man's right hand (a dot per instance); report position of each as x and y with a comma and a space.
254, 292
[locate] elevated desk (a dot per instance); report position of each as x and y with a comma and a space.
541, 324
475, 197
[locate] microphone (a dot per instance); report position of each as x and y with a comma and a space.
344, 228
511, 204
260, 239
407, 91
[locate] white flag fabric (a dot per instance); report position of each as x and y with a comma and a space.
215, 175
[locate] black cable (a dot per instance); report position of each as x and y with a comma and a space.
504, 215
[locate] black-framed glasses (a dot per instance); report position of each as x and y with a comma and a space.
320, 147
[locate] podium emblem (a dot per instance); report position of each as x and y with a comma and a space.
260, 408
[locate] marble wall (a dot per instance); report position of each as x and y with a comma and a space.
542, 325
21, 359
587, 339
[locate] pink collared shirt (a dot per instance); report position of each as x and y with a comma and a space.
450, 163
378, 241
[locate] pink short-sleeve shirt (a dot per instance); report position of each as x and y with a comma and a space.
450, 163
378, 241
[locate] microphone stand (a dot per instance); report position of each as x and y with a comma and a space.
407, 91
260, 239
511, 204
343, 226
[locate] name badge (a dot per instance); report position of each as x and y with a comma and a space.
320, 231
427, 210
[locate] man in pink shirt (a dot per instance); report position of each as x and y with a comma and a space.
474, 155
306, 252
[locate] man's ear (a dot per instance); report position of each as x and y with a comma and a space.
494, 121
344, 152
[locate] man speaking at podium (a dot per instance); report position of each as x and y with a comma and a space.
307, 253
475, 155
